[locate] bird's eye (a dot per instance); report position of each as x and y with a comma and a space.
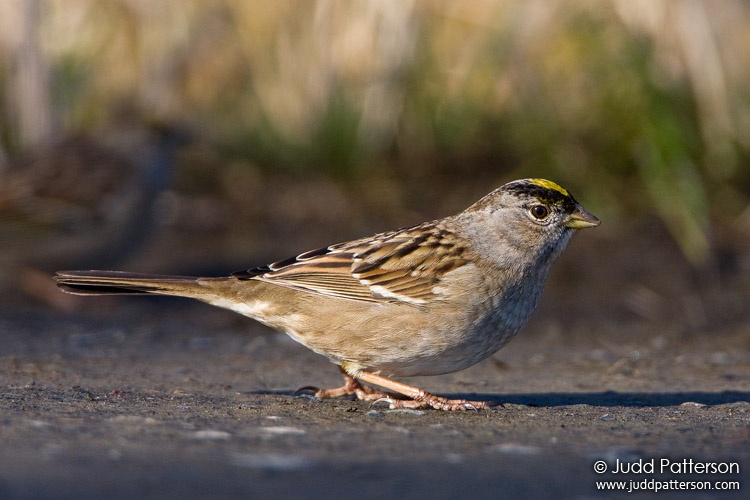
539, 212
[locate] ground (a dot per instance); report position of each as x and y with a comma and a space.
166, 398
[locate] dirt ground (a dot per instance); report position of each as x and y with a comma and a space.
626, 361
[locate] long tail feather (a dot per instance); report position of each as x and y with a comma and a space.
124, 283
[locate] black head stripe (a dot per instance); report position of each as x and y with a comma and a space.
544, 191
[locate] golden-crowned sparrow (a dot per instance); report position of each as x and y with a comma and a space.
434, 298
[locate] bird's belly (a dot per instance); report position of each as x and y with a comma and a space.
446, 355
400, 339
411, 345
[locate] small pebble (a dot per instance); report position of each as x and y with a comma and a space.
270, 461
39, 424
693, 404
282, 430
515, 449
737, 404
211, 435
407, 411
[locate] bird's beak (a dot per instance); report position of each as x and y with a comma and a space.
581, 218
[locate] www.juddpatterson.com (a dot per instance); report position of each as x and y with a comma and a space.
666, 466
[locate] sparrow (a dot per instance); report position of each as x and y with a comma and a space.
429, 299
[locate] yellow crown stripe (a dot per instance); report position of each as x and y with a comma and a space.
549, 185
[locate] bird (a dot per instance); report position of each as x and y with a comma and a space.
429, 299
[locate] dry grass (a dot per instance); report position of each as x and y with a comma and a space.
648, 101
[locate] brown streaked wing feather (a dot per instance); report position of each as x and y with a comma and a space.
400, 266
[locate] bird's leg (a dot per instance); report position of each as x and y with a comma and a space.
351, 387
417, 397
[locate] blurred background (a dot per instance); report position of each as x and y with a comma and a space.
196, 136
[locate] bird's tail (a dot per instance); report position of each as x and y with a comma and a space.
124, 283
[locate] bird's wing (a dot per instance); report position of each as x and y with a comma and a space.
398, 266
